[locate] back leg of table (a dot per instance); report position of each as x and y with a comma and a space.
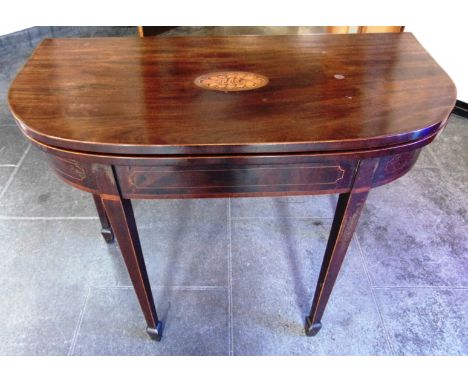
120, 214
106, 230
347, 214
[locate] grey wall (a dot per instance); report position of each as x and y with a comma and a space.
32, 36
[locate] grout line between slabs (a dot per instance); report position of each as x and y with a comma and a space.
376, 304
170, 287
364, 261
282, 217
71, 350
7, 165
434, 158
426, 168
441, 287
12, 175
49, 218
230, 318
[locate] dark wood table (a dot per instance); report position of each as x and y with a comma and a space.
196, 117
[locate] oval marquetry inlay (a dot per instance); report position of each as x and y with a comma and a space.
231, 81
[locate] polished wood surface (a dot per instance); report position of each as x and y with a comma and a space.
123, 119
137, 96
348, 210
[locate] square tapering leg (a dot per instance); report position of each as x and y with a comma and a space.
348, 210
120, 214
347, 213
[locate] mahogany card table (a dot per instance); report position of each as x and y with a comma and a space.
203, 117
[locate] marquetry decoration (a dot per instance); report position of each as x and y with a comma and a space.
140, 181
70, 168
231, 81
398, 162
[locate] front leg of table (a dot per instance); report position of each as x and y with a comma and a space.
345, 221
120, 213
106, 229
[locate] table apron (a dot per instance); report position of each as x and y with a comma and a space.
231, 177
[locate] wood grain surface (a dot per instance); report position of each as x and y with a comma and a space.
137, 96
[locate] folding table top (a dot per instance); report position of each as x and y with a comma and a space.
239, 94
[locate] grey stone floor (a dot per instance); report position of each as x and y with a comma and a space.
232, 276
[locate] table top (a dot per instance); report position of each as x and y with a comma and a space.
159, 96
